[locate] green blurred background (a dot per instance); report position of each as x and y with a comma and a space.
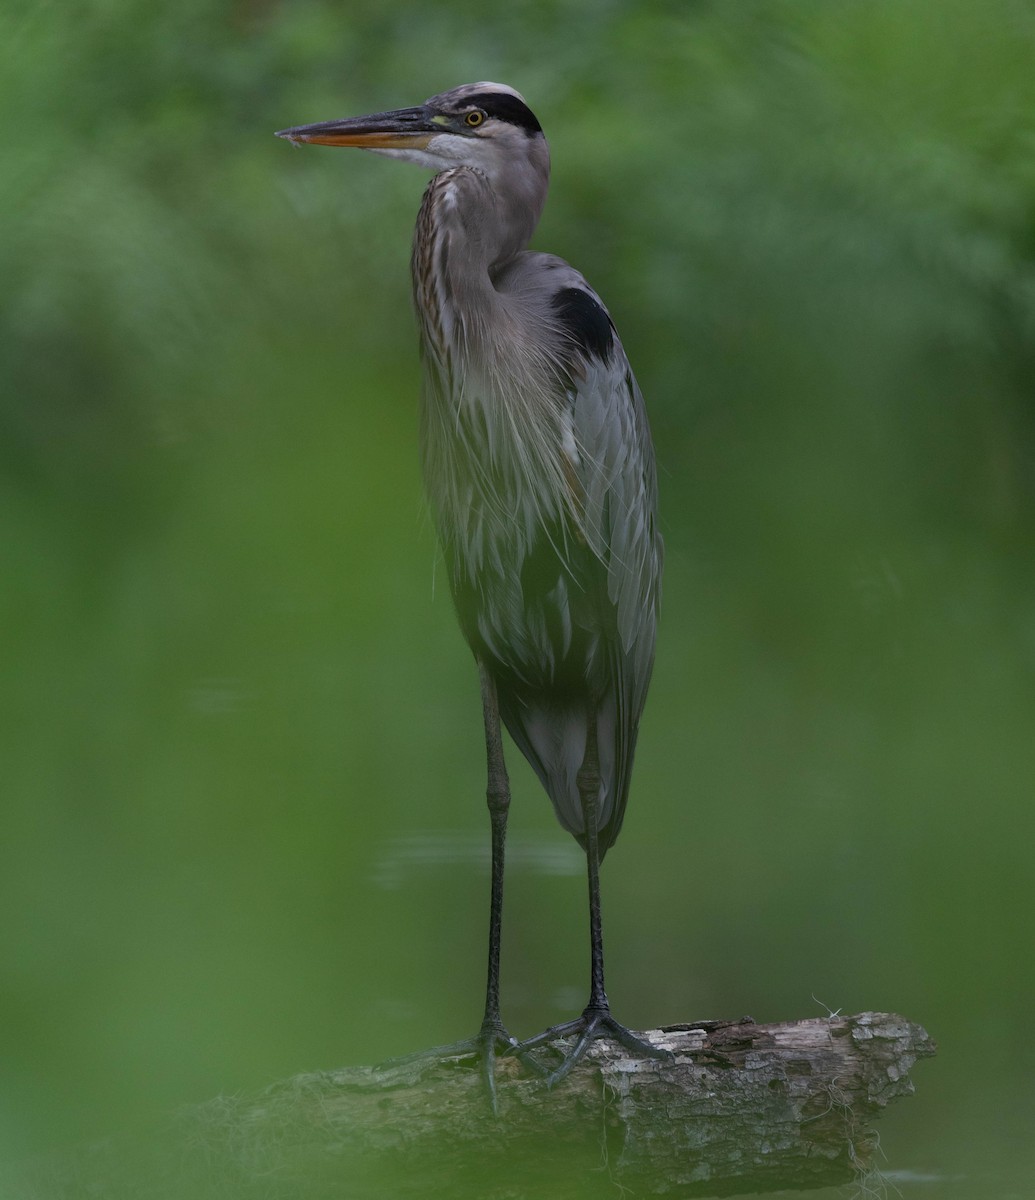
243, 822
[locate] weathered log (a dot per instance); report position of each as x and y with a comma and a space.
739, 1108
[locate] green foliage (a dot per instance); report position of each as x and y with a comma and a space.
231, 683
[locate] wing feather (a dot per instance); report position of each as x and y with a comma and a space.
562, 608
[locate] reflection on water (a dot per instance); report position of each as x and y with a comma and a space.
216, 697
403, 857
979, 1185
900, 1177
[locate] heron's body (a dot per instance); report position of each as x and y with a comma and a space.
539, 469
539, 473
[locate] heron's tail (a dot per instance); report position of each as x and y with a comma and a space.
552, 737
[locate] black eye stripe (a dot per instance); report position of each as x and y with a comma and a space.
506, 108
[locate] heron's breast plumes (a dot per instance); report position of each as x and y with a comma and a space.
494, 436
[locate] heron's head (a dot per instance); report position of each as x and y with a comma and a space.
485, 126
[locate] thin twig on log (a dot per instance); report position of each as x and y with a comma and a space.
739, 1108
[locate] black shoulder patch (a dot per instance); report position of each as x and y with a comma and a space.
505, 107
586, 322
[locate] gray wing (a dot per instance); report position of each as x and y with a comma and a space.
592, 589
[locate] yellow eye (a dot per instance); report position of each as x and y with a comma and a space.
475, 118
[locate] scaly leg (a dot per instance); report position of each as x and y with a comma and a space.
492, 1039
493, 1035
596, 1020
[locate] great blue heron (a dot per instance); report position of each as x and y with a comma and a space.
539, 470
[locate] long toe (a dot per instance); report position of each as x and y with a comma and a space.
633, 1042
590, 1027
492, 1041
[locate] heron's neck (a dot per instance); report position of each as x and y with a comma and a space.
466, 233
490, 441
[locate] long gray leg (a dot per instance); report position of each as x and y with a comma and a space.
492, 1039
588, 780
596, 1020
497, 794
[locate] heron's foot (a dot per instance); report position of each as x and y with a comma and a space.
596, 1022
492, 1041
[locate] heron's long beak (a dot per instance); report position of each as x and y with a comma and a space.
401, 129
